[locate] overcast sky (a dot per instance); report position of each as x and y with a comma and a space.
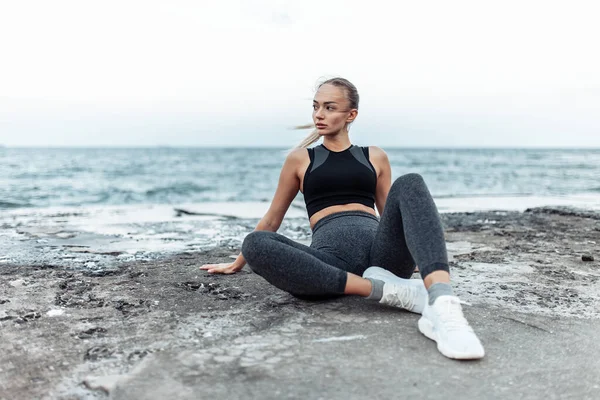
430, 73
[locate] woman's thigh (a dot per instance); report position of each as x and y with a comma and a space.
294, 267
265, 246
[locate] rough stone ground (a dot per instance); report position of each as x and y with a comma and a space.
157, 329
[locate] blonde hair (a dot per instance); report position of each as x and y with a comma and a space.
353, 99
312, 137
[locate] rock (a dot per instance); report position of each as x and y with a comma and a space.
18, 283
104, 383
565, 211
4, 316
190, 286
97, 352
65, 235
88, 333
587, 257
55, 312
102, 272
85, 249
138, 354
30, 315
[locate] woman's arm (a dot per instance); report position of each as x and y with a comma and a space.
287, 189
380, 161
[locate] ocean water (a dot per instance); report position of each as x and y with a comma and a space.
71, 177
92, 208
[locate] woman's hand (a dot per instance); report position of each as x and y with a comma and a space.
224, 268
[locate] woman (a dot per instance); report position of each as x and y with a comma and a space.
342, 184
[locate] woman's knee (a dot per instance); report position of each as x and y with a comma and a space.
253, 244
408, 181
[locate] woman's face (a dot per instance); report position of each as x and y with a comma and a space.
331, 110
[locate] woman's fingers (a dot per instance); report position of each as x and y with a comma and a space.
211, 266
218, 271
225, 268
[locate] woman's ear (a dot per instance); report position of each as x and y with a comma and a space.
352, 116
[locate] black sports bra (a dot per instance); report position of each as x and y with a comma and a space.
334, 178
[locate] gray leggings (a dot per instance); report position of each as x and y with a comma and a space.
408, 233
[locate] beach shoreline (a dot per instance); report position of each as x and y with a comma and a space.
110, 329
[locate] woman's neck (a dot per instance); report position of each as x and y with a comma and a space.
339, 142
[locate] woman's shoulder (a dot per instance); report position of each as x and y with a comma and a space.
298, 152
376, 152
297, 155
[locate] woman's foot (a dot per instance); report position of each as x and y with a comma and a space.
409, 294
444, 322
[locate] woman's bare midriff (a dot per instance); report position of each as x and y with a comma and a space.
334, 209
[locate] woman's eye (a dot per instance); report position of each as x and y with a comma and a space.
330, 108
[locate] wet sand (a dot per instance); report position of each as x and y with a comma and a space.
158, 326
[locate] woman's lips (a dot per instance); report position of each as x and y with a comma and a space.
321, 126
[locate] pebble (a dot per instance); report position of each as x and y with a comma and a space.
224, 358
105, 383
18, 283
587, 257
55, 312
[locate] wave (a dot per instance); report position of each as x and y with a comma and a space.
177, 188
482, 195
158, 194
8, 204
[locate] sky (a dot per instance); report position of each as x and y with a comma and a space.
243, 73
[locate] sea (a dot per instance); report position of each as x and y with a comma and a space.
45, 177
155, 200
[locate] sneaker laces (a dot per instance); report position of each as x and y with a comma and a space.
452, 316
401, 296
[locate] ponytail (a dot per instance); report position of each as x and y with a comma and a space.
312, 137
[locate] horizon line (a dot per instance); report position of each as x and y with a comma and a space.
395, 147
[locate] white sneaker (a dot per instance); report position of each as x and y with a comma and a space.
409, 294
445, 323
